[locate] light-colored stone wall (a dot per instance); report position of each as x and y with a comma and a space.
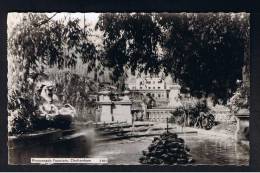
115, 111
106, 115
122, 112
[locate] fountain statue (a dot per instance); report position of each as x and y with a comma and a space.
50, 108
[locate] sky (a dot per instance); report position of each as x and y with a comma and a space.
90, 18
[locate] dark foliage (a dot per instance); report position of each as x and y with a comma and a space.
35, 44
204, 52
167, 149
130, 42
195, 116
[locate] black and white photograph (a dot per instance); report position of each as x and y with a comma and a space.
128, 88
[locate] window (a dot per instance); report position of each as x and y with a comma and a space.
159, 87
149, 87
141, 88
159, 95
153, 87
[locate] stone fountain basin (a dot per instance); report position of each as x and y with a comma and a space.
51, 143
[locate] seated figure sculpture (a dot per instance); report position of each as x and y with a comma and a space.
51, 110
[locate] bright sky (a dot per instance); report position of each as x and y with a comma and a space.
90, 18
90, 21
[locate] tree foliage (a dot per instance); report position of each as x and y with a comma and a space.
204, 52
37, 43
130, 42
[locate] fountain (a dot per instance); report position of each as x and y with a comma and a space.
55, 138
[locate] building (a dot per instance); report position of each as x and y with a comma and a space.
148, 83
157, 87
162, 90
135, 104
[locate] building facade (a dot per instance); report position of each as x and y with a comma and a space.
164, 93
148, 99
157, 87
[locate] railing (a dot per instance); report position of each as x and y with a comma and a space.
158, 114
161, 114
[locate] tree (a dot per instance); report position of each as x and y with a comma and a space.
36, 43
39, 42
205, 52
130, 42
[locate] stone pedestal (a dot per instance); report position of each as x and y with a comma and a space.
122, 111
105, 105
115, 110
106, 112
242, 132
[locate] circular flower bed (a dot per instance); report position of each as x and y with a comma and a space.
167, 149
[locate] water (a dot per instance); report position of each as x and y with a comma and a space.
76, 145
204, 149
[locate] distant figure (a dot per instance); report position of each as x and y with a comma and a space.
58, 116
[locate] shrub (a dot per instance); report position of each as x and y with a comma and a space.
177, 115
21, 115
189, 115
240, 98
